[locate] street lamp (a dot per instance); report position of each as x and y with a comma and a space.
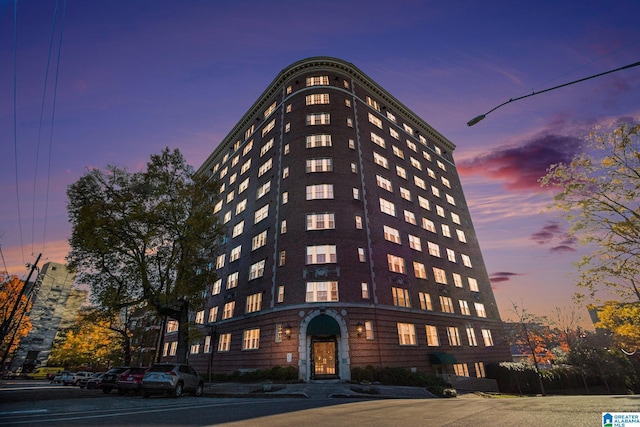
482, 116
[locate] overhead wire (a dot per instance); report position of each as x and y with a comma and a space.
15, 119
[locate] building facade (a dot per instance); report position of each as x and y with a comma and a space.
349, 242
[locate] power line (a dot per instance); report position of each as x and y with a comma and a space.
15, 117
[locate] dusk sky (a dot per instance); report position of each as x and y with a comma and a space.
136, 76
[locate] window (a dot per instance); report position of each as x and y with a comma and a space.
397, 152
322, 291
286, 149
464, 308
431, 173
405, 194
407, 129
396, 264
356, 193
419, 270
441, 165
414, 243
461, 236
213, 314
471, 336
473, 284
283, 226
227, 313
400, 297
317, 98
368, 329
384, 183
261, 214
413, 147
425, 301
455, 218
322, 140
434, 249
428, 225
406, 334
283, 258
227, 217
453, 335
451, 255
446, 231
266, 147
270, 109
254, 303
172, 326
440, 275
320, 191
480, 373
263, 189
375, 120
426, 155
259, 240
230, 196
251, 339
373, 103
318, 81
361, 255
401, 172
480, 311
321, 221
207, 344
247, 148
380, 160
256, 270
174, 347
319, 165
218, 207
445, 182
224, 172
419, 182
285, 172
217, 285
435, 191
245, 166
349, 122
486, 336
354, 168
321, 254
235, 253
241, 206
358, 219
280, 293
200, 317
364, 287
391, 234
457, 280
285, 197
377, 139
410, 217
461, 369
387, 207
224, 343
233, 176
394, 133
446, 304
424, 203
466, 260
450, 199
232, 280
391, 117
243, 185
220, 261
288, 108
279, 332
265, 167
318, 119
432, 336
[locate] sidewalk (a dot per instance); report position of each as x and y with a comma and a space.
315, 390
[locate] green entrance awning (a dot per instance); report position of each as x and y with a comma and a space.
323, 325
442, 359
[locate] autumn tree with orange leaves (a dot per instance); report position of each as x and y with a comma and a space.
13, 316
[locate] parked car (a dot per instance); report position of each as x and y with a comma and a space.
111, 377
57, 378
172, 378
67, 378
131, 380
75, 380
95, 381
85, 380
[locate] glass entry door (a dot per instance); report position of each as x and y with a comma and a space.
324, 359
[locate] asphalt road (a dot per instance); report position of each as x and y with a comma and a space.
92, 407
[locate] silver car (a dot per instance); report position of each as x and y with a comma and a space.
173, 378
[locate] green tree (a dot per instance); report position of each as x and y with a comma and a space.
599, 194
147, 236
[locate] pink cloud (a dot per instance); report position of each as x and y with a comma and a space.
552, 232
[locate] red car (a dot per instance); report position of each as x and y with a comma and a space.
131, 380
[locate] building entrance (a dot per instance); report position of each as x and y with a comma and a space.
324, 356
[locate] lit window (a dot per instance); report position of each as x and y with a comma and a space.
368, 329
431, 173
280, 293
247, 148
428, 225
322, 291
410, 217
232, 280
426, 155
395, 264
254, 303
231, 195
445, 182
200, 317
397, 152
286, 149
251, 339
227, 217
455, 218
318, 81
450, 199
364, 287
321, 140
283, 258
441, 165
220, 261
471, 336
243, 185
207, 344
480, 373
227, 313
172, 326
270, 109
288, 108
266, 166
320, 191
434, 249
406, 334
415, 163
352, 144
256, 270
405, 194
266, 147
461, 236
356, 194
414, 243
283, 226
413, 147
451, 255
321, 221
213, 314
361, 255
460, 369
466, 260
318, 119
380, 160
432, 336
224, 172
446, 304
269, 127
261, 214
457, 280
285, 172
480, 311
400, 297
407, 129
439, 275
241, 206
217, 285
419, 270
373, 103
174, 346
424, 203
401, 172
317, 98
384, 183
358, 222
486, 336
354, 168
394, 133
324, 164
235, 253
387, 207
464, 308
391, 234
435, 191
419, 182
218, 207
391, 117
473, 284
453, 335
349, 122
224, 342
446, 231
285, 197
259, 240
425, 301
233, 176
375, 120
323, 254
377, 139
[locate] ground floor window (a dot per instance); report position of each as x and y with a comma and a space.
224, 343
406, 334
480, 373
251, 339
461, 369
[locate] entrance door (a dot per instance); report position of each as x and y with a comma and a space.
324, 359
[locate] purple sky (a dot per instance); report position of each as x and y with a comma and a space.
136, 76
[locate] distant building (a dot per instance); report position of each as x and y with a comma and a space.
145, 327
55, 307
349, 241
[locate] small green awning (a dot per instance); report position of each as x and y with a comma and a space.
442, 359
323, 325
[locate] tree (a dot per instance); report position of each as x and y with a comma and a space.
623, 322
147, 236
599, 194
13, 301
